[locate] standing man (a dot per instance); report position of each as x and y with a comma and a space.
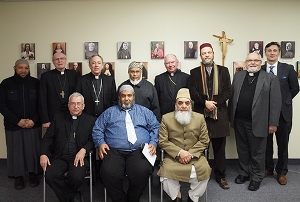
64, 146
19, 106
183, 136
289, 89
210, 88
168, 83
99, 90
254, 113
145, 93
56, 86
119, 133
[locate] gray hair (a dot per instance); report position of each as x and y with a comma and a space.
76, 94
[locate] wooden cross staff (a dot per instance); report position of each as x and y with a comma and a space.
223, 42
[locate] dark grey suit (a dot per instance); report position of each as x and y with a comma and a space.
289, 89
251, 136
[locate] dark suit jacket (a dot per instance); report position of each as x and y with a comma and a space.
166, 101
289, 88
266, 104
220, 127
56, 136
108, 95
50, 89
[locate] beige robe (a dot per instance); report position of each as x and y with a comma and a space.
193, 138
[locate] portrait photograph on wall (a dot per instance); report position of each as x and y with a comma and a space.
256, 46
124, 50
287, 49
190, 49
41, 68
109, 69
144, 66
298, 68
238, 66
76, 66
59, 47
90, 49
157, 49
28, 51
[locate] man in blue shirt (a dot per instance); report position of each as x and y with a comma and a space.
119, 133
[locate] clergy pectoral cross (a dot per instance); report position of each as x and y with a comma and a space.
62, 94
97, 101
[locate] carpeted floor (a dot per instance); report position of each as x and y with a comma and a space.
270, 190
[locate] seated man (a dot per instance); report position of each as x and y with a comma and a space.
183, 136
119, 133
63, 149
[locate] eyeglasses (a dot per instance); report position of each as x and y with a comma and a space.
76, 104
250, 61
58, 59
170, 63
187, 103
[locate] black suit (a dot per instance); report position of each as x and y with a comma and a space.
108, 95
51, 100
289, 89
167, 90
54, 144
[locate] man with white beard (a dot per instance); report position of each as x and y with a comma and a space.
183, 136
145, 93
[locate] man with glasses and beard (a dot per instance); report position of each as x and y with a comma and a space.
119, 133
210, 88
183, 136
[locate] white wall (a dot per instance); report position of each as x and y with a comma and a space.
140, 22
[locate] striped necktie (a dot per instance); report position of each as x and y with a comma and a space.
271, 70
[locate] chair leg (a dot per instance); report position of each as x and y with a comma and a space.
149, 184
105, 195
161, 192
44, 187
91, 177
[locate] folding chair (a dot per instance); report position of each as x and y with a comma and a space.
149, 189
89, 175
161, 184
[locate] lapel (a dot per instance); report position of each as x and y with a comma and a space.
90, 85
68, 122
166, 78
239, 80
259, 86
56, 83
280, 69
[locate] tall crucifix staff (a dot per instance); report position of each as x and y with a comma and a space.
223, 42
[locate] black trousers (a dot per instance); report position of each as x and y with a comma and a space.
116, 164
251, 151
219, 167
65, 187
282, 138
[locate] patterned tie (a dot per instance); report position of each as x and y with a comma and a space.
271, 70
130, 129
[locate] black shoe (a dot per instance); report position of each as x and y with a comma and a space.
240, 179
177, 199
33, 180
189, 199
19, 183
254, 185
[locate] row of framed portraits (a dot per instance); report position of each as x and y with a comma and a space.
190, 48
240, 65
108, 69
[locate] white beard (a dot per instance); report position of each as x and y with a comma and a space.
184, 118
135, 82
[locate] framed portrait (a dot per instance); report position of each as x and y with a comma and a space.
109, 69
157, 49
287, 49
124, 50
190, 49
298, 68
41, 68
256, 46
59, 47
144, 66
76, 66
90, 49
28, 51
238, 66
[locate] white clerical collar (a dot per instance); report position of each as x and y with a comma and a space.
251, 74
62, 73
96, 77
74, 117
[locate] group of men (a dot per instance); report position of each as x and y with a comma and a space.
80, 114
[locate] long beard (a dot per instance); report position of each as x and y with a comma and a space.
124, 106
253, 70
135, 82
209, 63
184, 118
